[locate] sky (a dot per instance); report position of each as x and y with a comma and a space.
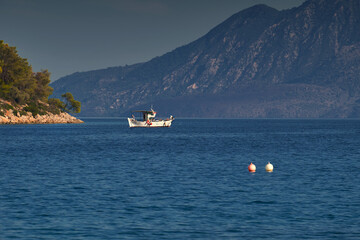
67, 36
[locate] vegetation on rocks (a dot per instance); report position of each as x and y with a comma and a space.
23, 91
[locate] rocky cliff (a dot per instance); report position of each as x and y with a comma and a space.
260, 63
16, 115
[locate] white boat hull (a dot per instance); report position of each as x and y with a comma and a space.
157, 123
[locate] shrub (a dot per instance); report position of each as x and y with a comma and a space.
33, 108
55, 105
7, 106
23, 113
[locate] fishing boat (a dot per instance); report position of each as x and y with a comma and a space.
147, 119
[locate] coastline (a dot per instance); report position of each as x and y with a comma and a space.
48, 118
13, 116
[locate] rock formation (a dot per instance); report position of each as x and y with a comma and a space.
15, 115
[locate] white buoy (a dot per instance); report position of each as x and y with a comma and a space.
252, 167
269, 167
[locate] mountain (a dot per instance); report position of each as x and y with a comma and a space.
259, 63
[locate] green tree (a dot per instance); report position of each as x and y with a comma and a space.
20, 85
55, 105
15, 71
17, 81
42, 88
71, 105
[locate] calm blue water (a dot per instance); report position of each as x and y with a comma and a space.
102, 180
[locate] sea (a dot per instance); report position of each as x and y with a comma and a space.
103, 180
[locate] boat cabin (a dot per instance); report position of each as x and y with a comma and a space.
146, 115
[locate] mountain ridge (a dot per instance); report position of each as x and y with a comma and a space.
260, 62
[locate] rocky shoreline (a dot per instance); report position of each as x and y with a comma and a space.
49, 118
11, 116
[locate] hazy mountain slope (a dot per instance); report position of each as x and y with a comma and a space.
260, 62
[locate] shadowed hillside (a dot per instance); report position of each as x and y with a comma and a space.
259, 63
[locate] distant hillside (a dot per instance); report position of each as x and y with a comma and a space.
259, 63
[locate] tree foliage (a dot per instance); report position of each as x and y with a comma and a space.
19, 84
71, 105
16, 77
